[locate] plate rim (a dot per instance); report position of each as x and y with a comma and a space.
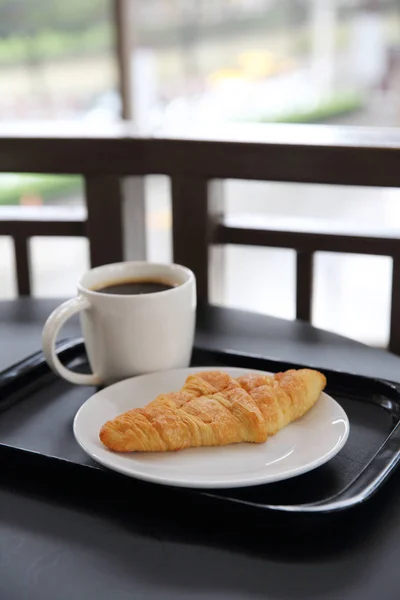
176, 482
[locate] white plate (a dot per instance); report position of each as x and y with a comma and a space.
301, 446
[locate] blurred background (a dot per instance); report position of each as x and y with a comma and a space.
213, 62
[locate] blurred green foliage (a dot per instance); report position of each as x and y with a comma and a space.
30, 17
50, 45
47, 187
336, 105
34, 30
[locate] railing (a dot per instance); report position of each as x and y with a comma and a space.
115, 216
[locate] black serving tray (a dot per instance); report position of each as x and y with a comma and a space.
37, 410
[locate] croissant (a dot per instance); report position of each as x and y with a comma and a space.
213, 409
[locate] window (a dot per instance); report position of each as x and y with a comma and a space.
197, 61
57, 62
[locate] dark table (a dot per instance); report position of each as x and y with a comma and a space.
62, 544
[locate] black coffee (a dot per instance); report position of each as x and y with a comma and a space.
136, 286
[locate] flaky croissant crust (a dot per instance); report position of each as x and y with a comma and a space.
213, 409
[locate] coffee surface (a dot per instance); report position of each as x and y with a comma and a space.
135, 286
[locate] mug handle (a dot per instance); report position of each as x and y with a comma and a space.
50, 331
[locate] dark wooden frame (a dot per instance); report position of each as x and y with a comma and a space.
338, 156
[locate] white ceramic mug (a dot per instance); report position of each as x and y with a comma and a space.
127, 335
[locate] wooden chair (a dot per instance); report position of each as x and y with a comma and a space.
196, 165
